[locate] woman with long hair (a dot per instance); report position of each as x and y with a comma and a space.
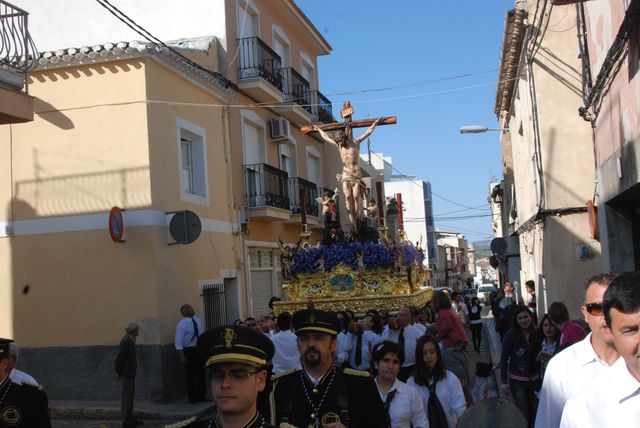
549, 343
440, 389
402, 402
519, 368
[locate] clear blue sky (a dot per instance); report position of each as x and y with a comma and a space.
381, 44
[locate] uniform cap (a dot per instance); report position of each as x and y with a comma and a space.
4, 347
316, 320
235, 344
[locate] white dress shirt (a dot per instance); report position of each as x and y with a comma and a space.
20, 377
420, 326
406, 409
567, 374
287, 355
610, 400
411, 336
344, 346
449, 392
185, 333
369, 339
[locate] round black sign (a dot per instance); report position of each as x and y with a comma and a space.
185, 227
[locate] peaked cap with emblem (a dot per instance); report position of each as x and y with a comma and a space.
235, 344
316, 320
4, 348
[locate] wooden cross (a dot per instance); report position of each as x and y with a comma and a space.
346, 113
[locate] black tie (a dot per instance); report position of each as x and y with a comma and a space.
387, 404
195, 328
358, 358
401, 338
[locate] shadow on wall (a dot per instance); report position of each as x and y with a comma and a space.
69, 281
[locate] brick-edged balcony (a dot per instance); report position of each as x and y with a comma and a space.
267, 192
298, 100
310, 191
259, 74
17, 56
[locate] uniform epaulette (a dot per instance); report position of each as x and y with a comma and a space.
353, 372
184, 423
33, 385
284, 373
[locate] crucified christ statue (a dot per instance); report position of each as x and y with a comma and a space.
349, 148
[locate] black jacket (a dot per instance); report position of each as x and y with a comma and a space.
23, 406
125, 363
350, 395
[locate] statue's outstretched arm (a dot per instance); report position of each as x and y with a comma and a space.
324, 135
369, 131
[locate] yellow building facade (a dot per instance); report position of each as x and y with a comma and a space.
132, 125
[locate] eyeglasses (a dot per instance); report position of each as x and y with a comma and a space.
237, 375
594, 309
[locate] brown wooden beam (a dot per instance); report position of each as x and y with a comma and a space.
391, 120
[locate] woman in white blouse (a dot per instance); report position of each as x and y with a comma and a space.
402, 402
448, 403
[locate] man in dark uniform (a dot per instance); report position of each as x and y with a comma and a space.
321, 394
21, 405
236, 369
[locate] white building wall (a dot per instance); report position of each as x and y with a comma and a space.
413, 210
57, 24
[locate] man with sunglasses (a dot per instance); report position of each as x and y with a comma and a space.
236, 369
570, 370
613, 398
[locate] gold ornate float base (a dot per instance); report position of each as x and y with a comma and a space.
358, 290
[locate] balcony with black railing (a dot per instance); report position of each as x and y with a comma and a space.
310, 191
267, 186
298, 97
323, 108
18, 55
259, 70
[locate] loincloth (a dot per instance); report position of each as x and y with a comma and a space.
351, 179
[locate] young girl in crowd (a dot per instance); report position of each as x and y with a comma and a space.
402, 402
519, 369
550, 344
440, 389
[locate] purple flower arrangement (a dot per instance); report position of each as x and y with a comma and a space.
374, 255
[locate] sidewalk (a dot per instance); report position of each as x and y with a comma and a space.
110, 410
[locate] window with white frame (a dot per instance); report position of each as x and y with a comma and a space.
192, 156
314, 166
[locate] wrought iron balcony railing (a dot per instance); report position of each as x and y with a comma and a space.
256, 59
310, 194
296, 89
17, 50
323, 108
266, 185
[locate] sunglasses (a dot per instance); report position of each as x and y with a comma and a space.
594, 309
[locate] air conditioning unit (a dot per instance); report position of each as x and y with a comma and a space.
243, 215
280, 129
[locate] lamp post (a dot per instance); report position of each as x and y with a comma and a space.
478, 129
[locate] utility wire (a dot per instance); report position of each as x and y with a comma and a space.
410, 85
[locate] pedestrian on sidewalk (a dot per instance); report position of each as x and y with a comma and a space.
188, 330
450, 333
550, 343
519, 368
126, 366
505, 307
570, 332
475, 323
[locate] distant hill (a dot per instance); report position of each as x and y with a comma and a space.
482, 248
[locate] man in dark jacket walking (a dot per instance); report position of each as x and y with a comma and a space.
126, 366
